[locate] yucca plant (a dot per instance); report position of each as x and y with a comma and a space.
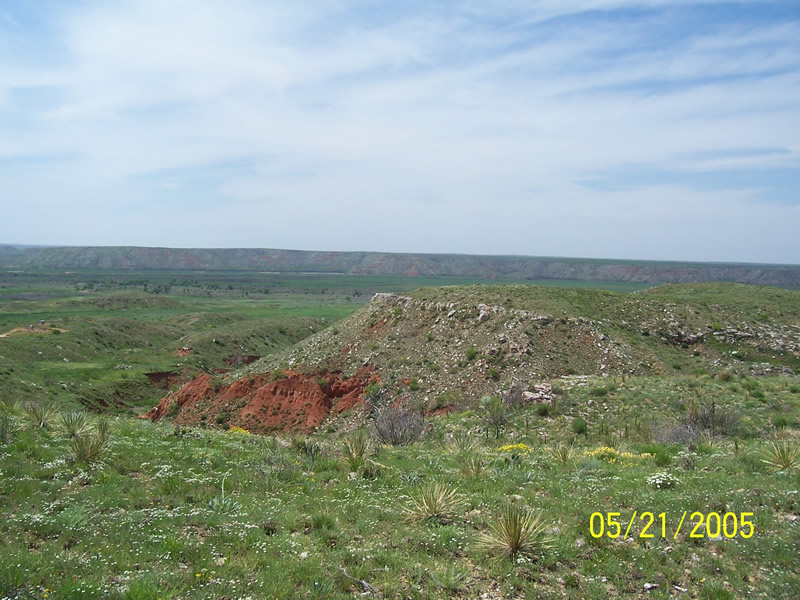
471, 465
562, 453
356, 449
518, 531
7, 428
433, 502
782, 455
88, 448
461, 442
451, 578
40, 415
103, 428
74, 423
12, 408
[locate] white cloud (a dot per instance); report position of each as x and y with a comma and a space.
425, 131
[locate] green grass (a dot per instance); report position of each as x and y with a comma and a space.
143, 521
155, 512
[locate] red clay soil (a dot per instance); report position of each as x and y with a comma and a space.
166, 379
289, 401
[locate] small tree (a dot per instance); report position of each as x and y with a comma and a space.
495, 413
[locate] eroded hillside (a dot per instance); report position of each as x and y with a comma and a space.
444, 347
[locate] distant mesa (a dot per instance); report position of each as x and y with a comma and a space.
395, 264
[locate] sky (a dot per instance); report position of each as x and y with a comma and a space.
638, 129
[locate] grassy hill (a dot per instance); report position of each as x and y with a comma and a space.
652, 451
447, 347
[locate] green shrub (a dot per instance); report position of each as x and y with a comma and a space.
781, 421
495, 413
579, 426
471, 353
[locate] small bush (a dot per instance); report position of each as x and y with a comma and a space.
543, 410
495, 413
397, 426
471, 353
781, 422
278, 374
579, 426
700, 423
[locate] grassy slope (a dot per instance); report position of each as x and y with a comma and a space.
138, 525
110, 340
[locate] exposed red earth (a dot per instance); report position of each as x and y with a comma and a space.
265, 403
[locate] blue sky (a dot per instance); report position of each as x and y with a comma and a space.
643, 129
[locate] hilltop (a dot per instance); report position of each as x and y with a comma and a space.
438, 349
380, 263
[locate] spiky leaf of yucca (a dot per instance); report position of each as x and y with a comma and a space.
516, 532
40, 415
471, 465
12, 408
461, 442
356, 449
783, 455
562, 453
74, 423
103, 428
7, 428
433, 502
88, 448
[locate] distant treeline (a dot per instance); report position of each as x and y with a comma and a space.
379, 263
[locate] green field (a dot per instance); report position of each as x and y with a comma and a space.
299, 519
105, 505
